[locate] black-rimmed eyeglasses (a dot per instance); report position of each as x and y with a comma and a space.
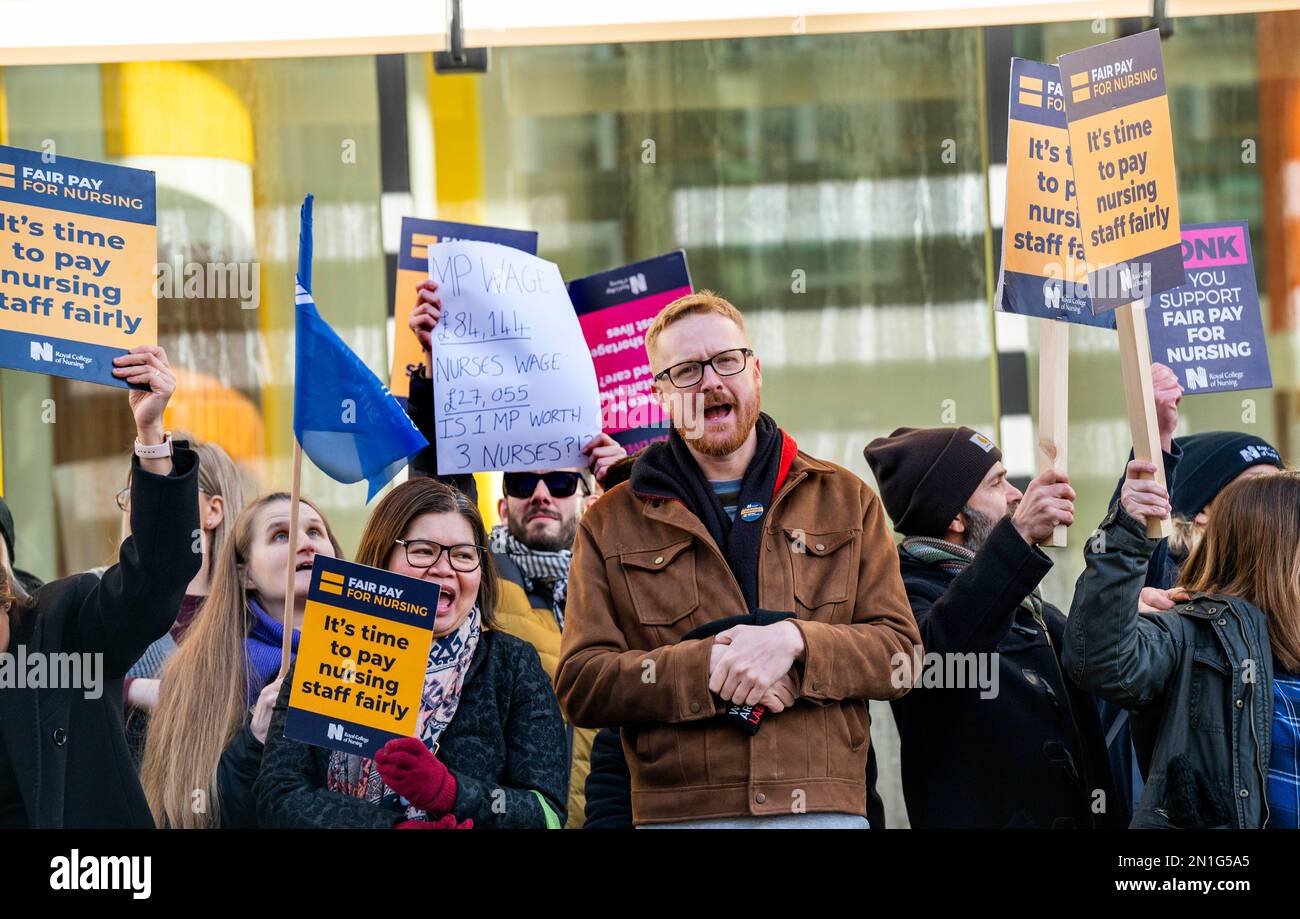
424, 553
725, 364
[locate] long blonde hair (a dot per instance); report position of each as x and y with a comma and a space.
1251, 549
202, 697
218, 477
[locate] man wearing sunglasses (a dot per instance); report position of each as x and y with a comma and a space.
735, 583
533, 545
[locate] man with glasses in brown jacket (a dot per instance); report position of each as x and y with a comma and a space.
734, 605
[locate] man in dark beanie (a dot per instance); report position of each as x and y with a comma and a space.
993, 733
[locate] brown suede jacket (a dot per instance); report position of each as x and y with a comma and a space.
646, 571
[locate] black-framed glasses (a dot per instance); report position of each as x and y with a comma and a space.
559, 484
725, 364
424, 553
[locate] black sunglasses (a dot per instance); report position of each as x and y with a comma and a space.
559, 484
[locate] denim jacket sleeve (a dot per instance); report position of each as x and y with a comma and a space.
1110, 649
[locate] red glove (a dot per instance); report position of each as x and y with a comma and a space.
407, 767
443, 823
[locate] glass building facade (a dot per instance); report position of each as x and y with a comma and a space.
842, 190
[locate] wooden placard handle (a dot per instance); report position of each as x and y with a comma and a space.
1054, 406
1139, 396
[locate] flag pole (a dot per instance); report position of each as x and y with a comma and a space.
286, 648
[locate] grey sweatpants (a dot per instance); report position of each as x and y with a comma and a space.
772, 822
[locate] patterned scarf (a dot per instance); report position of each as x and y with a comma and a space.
954, 559
544, 572
449, 660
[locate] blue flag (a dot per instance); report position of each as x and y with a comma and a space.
344, 417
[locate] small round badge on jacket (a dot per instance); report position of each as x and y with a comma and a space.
751, 512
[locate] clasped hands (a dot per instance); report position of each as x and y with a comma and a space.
753, 664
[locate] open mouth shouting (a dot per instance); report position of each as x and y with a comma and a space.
719, 412
446, 596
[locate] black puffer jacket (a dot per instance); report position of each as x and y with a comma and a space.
505, 742
236, 773
1206, 664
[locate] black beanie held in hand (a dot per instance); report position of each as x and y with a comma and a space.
926, 475
1210, 461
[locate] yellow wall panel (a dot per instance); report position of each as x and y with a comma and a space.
168, 108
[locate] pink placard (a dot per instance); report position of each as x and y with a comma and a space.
1214, 247
616, 337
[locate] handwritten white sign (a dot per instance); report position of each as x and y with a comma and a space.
513, 381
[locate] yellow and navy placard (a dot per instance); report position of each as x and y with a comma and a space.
1043, 270
78, 252
1122, 146
418, 234
362, 656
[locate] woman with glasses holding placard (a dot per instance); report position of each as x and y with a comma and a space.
490, 750
532, 546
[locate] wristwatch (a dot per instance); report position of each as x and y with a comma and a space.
155, 451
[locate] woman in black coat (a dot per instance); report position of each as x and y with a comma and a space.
64, 760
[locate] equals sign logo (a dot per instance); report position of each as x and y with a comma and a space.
1079, 85
6, 175
331, 582
1031, 91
